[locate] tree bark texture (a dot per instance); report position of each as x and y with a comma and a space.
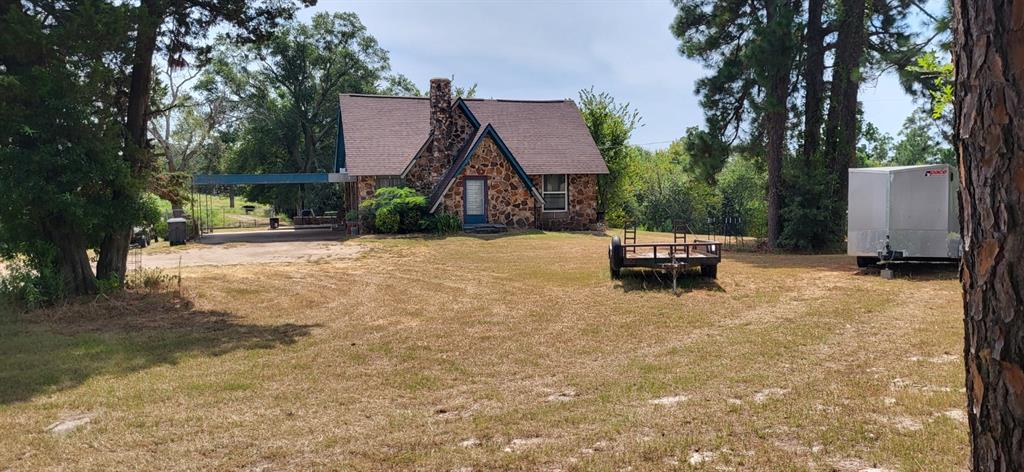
989, 135
841, 126
73, 260
113, 260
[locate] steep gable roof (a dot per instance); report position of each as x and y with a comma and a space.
381, 134
462, 160
547, 137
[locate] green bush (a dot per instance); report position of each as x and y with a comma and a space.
665, 197
615, 218
443, 223
811, 220
109, 285
404, 206
741, 187
31, 287
160, 229
387, 221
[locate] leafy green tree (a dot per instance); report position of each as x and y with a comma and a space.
751, 47
875, 147
60, 136
287, 88
934, 81
939, 75
98, 56
919, 143
665, 192
810, 210
703, 154
610, 124
741, 190
185, 131
177, 30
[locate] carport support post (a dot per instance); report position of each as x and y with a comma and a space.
231, 196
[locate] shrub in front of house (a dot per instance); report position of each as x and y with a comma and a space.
443, 223
386, 221
402, 207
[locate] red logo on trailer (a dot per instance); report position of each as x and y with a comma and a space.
928, 173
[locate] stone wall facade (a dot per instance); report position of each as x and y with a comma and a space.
429, 166
581, 214
365, 186
509, 201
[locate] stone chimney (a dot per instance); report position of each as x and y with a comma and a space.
441, 122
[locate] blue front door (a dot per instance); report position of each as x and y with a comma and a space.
475, 201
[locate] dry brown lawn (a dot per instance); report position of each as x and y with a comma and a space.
499, 353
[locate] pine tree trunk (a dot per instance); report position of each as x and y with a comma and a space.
113, 259
841, 126
989, 134
776, 131
814, 80
776, 116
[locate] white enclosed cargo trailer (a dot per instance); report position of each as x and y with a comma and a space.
907, 213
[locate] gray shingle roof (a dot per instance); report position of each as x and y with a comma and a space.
547, 137
382, 134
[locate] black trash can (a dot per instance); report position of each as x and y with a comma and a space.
275, 222
177, 231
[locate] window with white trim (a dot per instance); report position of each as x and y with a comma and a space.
556, 192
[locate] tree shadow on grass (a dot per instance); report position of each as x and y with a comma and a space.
50, 350
659, 281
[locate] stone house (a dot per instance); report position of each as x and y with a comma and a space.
523, 164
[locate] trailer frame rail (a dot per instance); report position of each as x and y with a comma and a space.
674, 257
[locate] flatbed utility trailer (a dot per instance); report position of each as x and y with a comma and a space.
674, 257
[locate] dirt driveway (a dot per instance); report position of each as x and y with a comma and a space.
256, 247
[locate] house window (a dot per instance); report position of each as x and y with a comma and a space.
556, 194
389, 181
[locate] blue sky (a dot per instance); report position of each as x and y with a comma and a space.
531, 49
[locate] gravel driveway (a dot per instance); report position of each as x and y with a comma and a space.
255, 247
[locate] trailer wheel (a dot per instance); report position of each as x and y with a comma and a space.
709, 271
866, 261
615, 257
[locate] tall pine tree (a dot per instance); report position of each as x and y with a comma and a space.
751, 47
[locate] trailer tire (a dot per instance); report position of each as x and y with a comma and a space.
615, 257
866, 261
709, 271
